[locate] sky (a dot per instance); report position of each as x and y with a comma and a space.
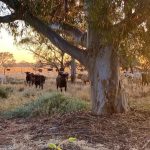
7, 45
7, 42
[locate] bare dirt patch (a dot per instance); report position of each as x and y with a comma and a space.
118, 131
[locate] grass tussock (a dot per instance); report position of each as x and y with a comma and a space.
48, 104
5, 91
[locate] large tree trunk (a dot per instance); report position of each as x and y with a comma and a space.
106, 92
103, 67
73, 70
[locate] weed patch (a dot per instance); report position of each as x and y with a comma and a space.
48, 104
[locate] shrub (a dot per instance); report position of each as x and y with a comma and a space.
58, 103
4, 92
49, 104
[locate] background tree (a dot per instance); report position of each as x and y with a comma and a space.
47, 54
97, 28
134, 51
44, 51
6, 60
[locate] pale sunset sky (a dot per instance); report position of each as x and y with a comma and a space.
7, 45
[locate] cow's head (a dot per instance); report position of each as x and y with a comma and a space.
27, 73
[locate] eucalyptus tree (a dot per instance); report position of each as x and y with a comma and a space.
6, 60
97, 27
44, 51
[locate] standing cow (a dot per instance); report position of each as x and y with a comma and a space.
61, 81
39, 80
30, 78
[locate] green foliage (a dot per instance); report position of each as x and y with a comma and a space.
72, 139
134, 47
48, 104
53, 146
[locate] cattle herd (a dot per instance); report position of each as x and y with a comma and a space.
35, 79
38, 80
142, 78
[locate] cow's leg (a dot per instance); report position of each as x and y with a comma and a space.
42, 86
65, 88
61, 89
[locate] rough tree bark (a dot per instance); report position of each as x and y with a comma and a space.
106, 93
103, 67
73, 70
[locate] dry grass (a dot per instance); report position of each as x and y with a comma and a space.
23, 129
22, 94
19, 98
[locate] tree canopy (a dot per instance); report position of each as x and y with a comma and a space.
114, 20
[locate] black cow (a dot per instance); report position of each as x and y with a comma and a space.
67, 75
61, 81
29, 78
39, 80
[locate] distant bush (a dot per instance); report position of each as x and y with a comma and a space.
49, 104
4, 92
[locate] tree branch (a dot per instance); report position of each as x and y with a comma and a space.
57, 40
8, 18
41, 27
11, 3
78, 35
48, 62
